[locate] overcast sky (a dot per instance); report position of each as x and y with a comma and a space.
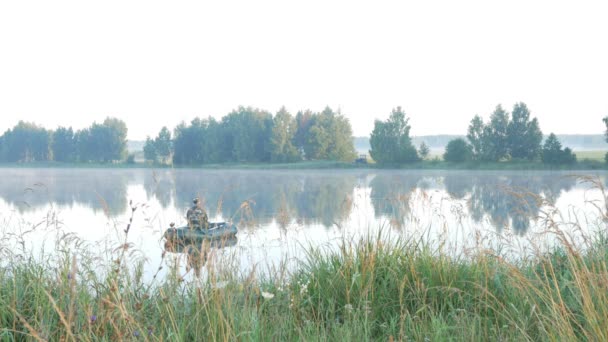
154, 63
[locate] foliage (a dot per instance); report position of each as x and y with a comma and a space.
64, 145
329, 137
190, 142
524, 135
160, 149
476, 138
249, 135
458, 150
304, 121
282, 139
552, 152
163, 145
150, 150
390, 140
503, 138
423, 150
495, 136
26, 142
103, 142
249, 130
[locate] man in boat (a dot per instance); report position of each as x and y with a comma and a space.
197, 217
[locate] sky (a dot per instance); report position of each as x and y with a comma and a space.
158, 63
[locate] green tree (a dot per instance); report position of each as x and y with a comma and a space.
475, 134
163, 145
3, 149
524, 135
424, 150
82, 145
150, 150
304, 121
329, 137
282, 147
495, 136
249, 131
64, 145
27, 142
103, 142
218, 142
457, 151
390, 140
189, 142
552, 152
116, 139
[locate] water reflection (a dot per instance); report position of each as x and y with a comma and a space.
100, 190
160, 185
197, 253
390, 196
258, 198
261, 197
507, 200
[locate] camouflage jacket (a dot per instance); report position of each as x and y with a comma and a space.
197, 218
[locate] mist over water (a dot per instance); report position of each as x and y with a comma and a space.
281, 212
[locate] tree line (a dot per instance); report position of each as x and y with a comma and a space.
244, 135
101, 142
253, 135
504, 137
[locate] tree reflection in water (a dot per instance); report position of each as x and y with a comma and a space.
390, 196
259, 198
512, 200
31, 189
160, 185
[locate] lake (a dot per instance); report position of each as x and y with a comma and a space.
281, 213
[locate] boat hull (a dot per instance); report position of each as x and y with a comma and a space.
216, 231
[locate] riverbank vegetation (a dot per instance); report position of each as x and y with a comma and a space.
376, 287
369, 289
591, 162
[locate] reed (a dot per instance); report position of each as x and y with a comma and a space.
376, 287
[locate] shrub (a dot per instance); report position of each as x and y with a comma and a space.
457, 151
553, 153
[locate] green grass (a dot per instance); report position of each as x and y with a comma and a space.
436, 164
591, 155
370, 289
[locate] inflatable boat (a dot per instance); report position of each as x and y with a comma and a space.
216, 231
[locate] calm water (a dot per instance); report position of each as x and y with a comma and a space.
281, 212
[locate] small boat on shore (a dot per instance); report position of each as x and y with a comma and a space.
216, 231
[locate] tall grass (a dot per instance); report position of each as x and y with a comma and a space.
377, 287
369, 289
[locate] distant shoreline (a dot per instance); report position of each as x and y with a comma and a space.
591, 165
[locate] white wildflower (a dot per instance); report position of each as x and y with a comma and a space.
267, 295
